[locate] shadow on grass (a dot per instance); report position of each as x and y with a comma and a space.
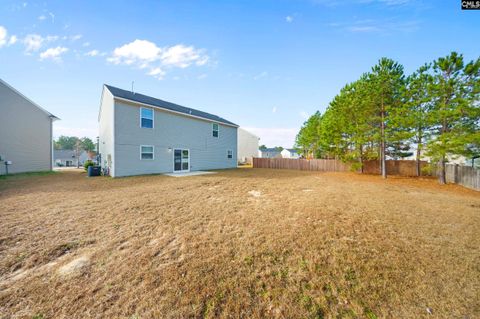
27, 175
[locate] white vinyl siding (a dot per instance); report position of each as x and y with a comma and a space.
172, 131
25, 133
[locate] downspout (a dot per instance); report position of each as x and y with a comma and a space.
52, 118
51, 142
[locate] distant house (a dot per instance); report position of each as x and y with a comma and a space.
450, 158
68, 158
140, 134
290, 153
25, 131
269, 153
247, 146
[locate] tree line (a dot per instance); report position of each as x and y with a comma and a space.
434, 111
74, 143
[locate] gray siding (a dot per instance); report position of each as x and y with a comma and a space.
106, 123
25, 134
247, 146
170, 131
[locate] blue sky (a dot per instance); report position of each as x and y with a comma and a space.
265, 65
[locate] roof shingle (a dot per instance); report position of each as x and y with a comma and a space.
145, 99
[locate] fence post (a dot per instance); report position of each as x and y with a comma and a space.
455, 174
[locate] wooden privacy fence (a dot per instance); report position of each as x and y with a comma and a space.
400, 168
325, 165
464, 175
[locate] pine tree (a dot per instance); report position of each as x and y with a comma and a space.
387, 80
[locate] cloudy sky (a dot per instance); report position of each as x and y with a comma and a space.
266, 65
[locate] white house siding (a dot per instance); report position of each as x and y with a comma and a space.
106, 123
247, 146
170, 131
289, 154
25, 133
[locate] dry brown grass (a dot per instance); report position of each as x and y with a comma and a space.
304, 244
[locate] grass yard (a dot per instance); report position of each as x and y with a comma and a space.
248, 243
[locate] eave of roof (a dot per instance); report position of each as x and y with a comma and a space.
140, 99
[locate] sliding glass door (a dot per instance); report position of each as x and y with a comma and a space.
181, 160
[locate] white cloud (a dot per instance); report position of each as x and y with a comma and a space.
289, 19
4, 39
53, 53
51, 38
86, 44
146, 54
304, 115
76, 37
284, 137
52, 16
182, 56
42, 17
381, 26
262, 75
3, 36
202, 76
13, 40
135, 52
362, 29
274, 109
92, 53
395, 2
157, 73
33, 42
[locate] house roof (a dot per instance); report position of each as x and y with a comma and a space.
63, 154
69, 154
53, 117
270, 150
145, 99
291, 150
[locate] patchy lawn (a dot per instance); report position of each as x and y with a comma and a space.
248, 243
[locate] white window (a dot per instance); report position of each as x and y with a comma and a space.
215, 129
146, 152
229, 154
146, 117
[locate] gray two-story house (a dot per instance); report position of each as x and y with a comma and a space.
25, 133
140, 135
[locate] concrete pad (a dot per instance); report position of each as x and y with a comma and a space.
184, 174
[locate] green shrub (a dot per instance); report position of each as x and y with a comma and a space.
428, 170
87, 164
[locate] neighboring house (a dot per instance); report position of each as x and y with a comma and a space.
290, 153
25, 131
247, 146
68, 158
140, 134
451, 159
269, 153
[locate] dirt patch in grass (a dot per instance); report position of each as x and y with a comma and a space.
311, 245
